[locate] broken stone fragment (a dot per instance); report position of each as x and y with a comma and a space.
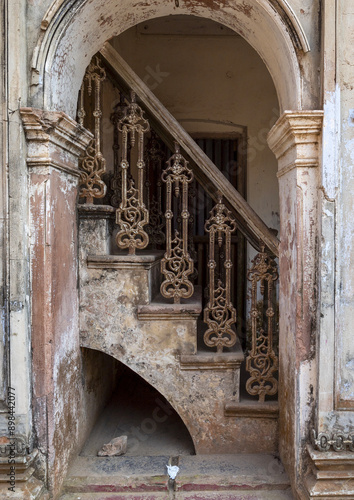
118, 446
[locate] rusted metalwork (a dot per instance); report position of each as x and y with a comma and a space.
177, 265
116, 181
220, 314
262, 362
337, 441
92, 164
154, 158
132, 214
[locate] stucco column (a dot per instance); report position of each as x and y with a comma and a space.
294, 139
54, 143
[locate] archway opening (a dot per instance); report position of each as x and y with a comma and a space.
217, 86
140, 412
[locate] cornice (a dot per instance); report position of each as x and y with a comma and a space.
294, 140
47, 129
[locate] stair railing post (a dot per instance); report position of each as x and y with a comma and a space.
177, 265
132, 214
92, 163
262, 362
220, 314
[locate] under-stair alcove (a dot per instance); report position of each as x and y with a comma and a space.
140, 412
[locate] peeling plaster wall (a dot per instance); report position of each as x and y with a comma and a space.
16, 206
345, 250
71, 386
336, 351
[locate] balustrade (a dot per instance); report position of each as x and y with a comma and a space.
139, 174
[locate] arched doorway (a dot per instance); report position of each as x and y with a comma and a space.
62, 58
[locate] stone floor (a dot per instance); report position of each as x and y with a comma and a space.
142, 413
157, 437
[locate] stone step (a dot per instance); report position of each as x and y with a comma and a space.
230, 495
223, 477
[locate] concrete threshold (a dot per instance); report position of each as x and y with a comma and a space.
222, 477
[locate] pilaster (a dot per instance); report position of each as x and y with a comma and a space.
54, 144
295, 140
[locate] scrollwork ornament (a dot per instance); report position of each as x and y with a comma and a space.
177, 269
177, 265
132, 214
92, 164
220, 314
338, 441
116, 181
262, 362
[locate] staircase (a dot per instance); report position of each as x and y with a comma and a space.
186, 350
123, 315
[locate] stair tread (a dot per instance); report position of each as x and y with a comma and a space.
160, 304
151, 256
244, 495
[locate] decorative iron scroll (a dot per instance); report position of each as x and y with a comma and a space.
92, 164
337, 441
219, 314
177, 264
132, 214
154, 159
116, 181
262, 361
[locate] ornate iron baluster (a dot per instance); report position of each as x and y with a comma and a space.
92, 165
262, 361
219, 313
154, 158
132, 214
177, 264
116, 181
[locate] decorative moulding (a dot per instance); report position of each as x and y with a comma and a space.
335, 441
294, 139
252, 409
331, 474
53, 139
212, 361
60, 12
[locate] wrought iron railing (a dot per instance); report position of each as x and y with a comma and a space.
152, 196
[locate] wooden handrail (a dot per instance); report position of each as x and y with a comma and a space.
212, 180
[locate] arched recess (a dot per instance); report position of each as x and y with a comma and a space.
159, 408
74, 30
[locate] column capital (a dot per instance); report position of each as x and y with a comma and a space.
294, 139
53, 139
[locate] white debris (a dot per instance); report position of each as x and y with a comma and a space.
172, 471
